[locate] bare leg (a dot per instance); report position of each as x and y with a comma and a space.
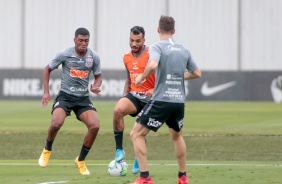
180, 149
58, 118
137, 135
91, 120
123, 107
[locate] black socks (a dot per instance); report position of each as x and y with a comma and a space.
48, 145
181, 174
144, 174
118, 138
83, 153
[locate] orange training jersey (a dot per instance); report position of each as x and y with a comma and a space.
136, 66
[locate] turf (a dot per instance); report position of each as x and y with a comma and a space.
221, 148
227, 142
163, 173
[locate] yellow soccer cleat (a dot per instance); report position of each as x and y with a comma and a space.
81, 167
44, 158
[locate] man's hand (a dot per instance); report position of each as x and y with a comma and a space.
149, 93
45, 99
95, 90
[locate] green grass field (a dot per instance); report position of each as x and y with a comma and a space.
227, 142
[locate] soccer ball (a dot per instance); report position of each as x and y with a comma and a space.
117, 168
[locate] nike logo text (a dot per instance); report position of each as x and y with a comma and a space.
208, 91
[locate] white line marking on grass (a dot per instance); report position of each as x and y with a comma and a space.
53, 182
258, 165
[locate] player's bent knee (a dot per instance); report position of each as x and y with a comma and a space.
119, 112
94, 128
56, 125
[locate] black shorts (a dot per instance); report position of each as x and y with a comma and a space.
137, 103
69, 102
156, 113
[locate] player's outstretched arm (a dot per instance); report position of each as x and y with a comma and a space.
95, 87
149, 69
193, 75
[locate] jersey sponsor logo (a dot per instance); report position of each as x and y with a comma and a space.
153, 123
135, 67
73, 89
173, 77
133, 77
276, 89
173, 96
89, 62
173, 82
172, 48
208, 91
173, 93
82, 74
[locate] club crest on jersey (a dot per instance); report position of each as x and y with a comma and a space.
89, 62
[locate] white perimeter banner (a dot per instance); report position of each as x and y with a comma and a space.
212, 86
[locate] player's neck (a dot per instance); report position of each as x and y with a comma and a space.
165, 36
81, 54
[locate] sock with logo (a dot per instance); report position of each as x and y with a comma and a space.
83, 153
118, 138
48, 145
181, 174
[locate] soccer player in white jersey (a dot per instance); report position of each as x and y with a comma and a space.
77, 64
169, 60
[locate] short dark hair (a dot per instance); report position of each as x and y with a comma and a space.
81, 31
166, 24
136, 30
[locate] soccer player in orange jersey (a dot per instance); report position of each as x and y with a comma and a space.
134, 97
